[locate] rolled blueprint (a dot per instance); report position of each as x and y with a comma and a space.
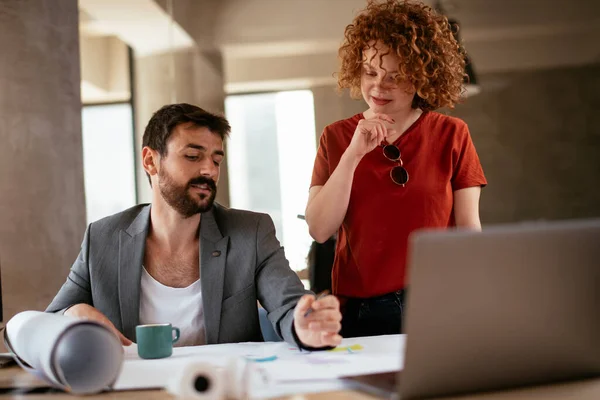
78, 356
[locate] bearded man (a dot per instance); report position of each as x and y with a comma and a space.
188, 261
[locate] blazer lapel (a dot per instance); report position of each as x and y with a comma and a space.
132, 244
213, 255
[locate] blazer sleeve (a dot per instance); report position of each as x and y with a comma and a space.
77, 287
278, 287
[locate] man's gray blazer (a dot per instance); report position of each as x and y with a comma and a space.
241, 261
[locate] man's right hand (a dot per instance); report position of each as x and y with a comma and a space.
85, 311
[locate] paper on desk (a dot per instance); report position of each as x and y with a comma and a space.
138, 373
284, 372
379, 354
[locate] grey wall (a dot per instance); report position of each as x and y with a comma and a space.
538, 137
537, 134
42, 208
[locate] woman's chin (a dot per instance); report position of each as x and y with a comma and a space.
380, 109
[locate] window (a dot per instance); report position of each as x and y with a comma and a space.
108, 159
270, 157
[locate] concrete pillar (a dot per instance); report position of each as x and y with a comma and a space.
42, 207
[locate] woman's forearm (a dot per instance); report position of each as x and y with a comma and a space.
327, 205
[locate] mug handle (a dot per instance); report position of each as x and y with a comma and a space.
176, 330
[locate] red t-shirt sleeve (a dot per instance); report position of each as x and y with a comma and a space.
321, 171
467, 167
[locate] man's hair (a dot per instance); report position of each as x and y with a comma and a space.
430, 57
161, 125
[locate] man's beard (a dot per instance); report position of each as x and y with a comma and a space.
180, 198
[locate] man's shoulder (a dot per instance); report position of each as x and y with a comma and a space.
121, 220
234, 222
233, 215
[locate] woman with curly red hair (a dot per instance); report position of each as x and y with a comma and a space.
397, 167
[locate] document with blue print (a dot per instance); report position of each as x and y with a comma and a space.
271, 369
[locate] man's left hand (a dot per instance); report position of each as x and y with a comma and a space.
321, 326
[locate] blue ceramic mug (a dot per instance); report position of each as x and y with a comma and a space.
156, 340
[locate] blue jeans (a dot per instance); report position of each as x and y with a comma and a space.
373, 316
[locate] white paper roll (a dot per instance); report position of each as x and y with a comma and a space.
239, 376
76, 355
199, 381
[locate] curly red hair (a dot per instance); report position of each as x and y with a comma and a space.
431, 58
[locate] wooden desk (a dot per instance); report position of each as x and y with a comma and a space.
17, 378
581, 390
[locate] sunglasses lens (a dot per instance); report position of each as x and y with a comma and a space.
391, 152
399, 175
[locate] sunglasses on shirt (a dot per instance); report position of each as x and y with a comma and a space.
398, 173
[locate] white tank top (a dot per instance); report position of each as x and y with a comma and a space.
181, 307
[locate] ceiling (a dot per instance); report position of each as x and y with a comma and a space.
266, 43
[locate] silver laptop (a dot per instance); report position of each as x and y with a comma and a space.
512, 306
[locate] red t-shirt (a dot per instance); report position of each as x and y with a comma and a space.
439, 157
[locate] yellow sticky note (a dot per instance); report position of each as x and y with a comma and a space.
349, 349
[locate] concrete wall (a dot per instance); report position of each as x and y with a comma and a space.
42, 208
538, 137
537, 134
